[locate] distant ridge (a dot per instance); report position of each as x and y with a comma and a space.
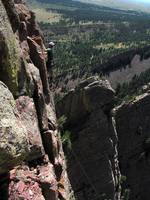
121, 4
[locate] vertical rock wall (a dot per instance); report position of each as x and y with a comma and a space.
133, 128
32, 164
9, 52
110, 156
93, 157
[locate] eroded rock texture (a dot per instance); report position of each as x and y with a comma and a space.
133, 127
92, 159
14, 144
28, 116
32, 163
9, 52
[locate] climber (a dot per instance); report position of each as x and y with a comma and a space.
50, 60
48, 55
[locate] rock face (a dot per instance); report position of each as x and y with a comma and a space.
14, 145
133, 127
27, 112
92, 160
26, 183
9, 52
32, 163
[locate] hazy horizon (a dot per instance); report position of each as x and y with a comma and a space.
141, 1
141, 5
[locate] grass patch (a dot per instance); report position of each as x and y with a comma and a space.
47, 16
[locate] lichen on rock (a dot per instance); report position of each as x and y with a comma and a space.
14, 145
28, 125
9, 53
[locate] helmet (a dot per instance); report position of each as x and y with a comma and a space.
51, 44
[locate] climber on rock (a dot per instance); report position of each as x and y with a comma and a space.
47, 54
50, 59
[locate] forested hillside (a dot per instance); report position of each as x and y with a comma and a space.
91, 38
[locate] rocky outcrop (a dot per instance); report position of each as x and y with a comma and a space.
133, 128
92, 160
110, 152
32, 163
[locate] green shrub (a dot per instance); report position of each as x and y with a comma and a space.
66, 139
65, 134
